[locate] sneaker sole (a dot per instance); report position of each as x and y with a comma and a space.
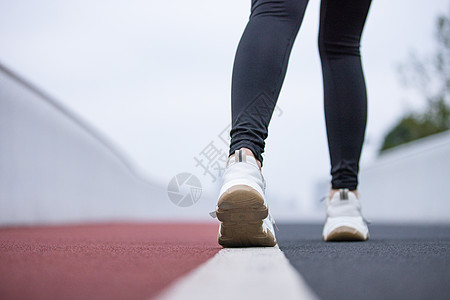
241, 210
345, 233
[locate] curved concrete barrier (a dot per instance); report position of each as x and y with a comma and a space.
410, 183
56, 168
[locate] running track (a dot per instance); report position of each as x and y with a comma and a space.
126, 261
144, 261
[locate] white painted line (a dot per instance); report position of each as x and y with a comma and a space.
242, 273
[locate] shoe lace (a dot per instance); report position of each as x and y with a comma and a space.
366, 220
272, 220
324, 198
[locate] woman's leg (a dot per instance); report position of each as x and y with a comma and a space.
341, 26
259, 69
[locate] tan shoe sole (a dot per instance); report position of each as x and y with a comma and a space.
241, 210
345, 233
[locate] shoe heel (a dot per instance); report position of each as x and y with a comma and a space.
241, 210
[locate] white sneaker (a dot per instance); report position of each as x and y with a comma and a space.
242, 208
344, 219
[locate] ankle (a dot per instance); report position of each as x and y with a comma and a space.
334, 191
248, 152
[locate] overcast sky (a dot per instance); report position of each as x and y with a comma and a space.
154, 77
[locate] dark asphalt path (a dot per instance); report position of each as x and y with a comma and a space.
398, 262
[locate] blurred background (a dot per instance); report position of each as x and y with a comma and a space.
120, 110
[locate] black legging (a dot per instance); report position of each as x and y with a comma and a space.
260, 66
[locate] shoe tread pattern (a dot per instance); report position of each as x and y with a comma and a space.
241, 209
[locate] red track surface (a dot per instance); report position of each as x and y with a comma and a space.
121, 261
